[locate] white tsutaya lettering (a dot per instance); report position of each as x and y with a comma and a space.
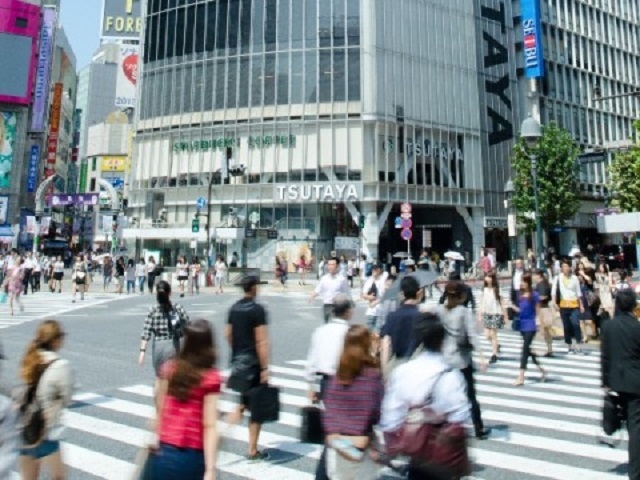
306, 192
340, 191
281, 190
328, 193
351, 192
293, 192
317, 189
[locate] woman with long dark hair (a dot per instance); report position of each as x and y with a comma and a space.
529, 309
50, 377
164, 327
187, 399
352, 402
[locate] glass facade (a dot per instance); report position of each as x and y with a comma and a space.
231, 54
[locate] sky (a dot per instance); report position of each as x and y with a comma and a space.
81, 22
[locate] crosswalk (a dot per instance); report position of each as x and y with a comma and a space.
43, 304
539, 431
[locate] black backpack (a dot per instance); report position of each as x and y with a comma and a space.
32, 422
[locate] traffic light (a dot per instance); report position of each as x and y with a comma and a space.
361, 221
195, 225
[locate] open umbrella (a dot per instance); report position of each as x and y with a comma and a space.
453, 255
424, 277
401, 255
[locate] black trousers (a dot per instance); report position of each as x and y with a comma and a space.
35, 281
527, 338
476, 415
26, 280
631, 405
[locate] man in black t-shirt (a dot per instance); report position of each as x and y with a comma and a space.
246, 332
543, 288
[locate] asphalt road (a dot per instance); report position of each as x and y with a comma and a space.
539, 431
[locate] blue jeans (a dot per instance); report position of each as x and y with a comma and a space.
141, 283
131, 285
173, 463
373, 323
571, 325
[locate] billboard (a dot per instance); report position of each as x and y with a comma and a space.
7, 139
532, 39
127, 76
19, 30
121, 19
32, 172
4, 209
54, 129
113, 164
43, 70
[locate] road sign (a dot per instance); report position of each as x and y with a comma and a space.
405, 215
201, 202
405, 208
407, 223
398, 222
406, 234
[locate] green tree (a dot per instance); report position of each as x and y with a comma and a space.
558, 186
625, 178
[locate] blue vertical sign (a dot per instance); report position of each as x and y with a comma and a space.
32, 173
532, 38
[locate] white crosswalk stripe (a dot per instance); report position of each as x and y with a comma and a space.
41, 305
540, 431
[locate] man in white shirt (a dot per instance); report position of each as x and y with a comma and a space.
566, 295
27, 267
373, 291
329, 287
327, 343
428, 375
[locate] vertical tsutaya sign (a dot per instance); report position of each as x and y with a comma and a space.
41, 89
8, 122
32, 173
127, 76
532, 39
54, 129
121, 19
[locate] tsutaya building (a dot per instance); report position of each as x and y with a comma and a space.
317, 119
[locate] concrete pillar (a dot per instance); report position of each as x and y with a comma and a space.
477, 232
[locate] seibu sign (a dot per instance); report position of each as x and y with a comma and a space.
317, 193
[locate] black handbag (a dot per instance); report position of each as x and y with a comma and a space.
264, 404
311, 430
245, 373
612, 414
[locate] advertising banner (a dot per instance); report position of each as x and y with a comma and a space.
82, 187
127, 76
72, 178
54, 129
41, 89
85, 199
31, 225
113, 164
4, 209
7, 139
32, 173
532, 39
121, 19
45, 225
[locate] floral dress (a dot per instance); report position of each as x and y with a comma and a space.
492, 316
14, 280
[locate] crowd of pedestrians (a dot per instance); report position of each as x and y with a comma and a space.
370, 377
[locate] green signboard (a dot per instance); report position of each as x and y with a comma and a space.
83, 177
222, 143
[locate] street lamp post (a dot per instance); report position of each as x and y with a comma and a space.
531, 133
509, 191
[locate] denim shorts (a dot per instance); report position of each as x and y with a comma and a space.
46, 448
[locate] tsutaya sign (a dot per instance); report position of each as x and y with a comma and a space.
222, 143
317, 193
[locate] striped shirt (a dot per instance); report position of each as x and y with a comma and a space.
157, 323
353, 409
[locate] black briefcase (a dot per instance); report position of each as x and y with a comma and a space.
311, 430
612, 414
264, 404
